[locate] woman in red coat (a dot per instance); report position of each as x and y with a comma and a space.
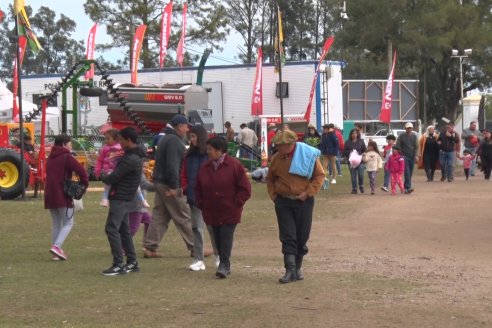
222, 188
59, 167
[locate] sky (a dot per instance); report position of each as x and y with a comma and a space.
74, 9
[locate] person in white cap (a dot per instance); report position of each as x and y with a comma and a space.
408, 142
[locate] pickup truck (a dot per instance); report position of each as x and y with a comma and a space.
380, 137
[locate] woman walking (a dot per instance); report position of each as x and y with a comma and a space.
222, 189
429, 152
59, 167
195, 157
485, 153
357, 144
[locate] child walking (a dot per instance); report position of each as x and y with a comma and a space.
396, 166
138, 214
108, 157
387, 151
467, 159
374, 162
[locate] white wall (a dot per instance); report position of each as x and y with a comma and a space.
232, 88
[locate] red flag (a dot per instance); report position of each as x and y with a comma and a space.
2, 15
91, 44
386, 104
257, 98
326, 48
136, 48
167, 17
15, 87
180, 50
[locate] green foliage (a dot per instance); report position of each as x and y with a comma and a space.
312, 141
206, 26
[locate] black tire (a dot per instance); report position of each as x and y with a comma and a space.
91, 92
10, 170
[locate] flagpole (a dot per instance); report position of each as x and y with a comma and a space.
280, 69
21, 119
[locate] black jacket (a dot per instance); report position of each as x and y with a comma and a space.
125, 178
168, 159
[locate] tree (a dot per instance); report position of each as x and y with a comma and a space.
423, 32
206, 25
60, 50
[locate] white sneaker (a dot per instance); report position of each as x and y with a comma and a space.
197, 265
104, 203
217, 261
333, 181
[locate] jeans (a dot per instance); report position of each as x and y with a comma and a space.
472, 151
198, 225
357, 175
62, 224
294, 219
372, 179
224, 237
409, 165
337, 163
387, 175
118, 232
447, 164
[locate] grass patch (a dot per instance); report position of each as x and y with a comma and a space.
38, 292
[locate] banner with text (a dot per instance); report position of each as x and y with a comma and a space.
180, 50
257, 98
386, 105
136, 48
167, 17
91, 45
326, 48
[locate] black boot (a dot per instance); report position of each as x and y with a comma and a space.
299, 274
290, 269
223, 270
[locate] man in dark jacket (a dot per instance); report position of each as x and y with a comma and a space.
329, 147
124, 181
448, 141
170, 204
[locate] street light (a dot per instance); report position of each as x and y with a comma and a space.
455, 54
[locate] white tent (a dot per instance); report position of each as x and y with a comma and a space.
6, 105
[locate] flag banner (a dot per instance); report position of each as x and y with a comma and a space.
167, 17
18, 6
257, 98
91, 45
2, 15
24, 28
326, 48
386, 105
136, 48
15, 86
279, 58
180, 50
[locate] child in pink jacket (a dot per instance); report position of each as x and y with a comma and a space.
106, 162
467, 159
396, 166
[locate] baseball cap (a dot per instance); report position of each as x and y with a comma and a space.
179, 119
408, 125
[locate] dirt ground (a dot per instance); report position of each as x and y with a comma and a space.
440, 236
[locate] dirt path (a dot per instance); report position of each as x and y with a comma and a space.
439, 236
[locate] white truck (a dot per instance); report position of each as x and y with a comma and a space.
380, 137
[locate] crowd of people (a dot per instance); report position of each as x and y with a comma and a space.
203, 188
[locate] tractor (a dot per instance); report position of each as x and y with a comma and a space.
11, 161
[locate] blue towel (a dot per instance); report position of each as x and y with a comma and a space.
304, 160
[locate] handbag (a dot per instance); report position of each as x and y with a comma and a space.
73, 189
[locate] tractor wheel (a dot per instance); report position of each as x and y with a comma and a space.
10, 174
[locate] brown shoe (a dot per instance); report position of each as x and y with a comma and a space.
206, 253
148, 254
